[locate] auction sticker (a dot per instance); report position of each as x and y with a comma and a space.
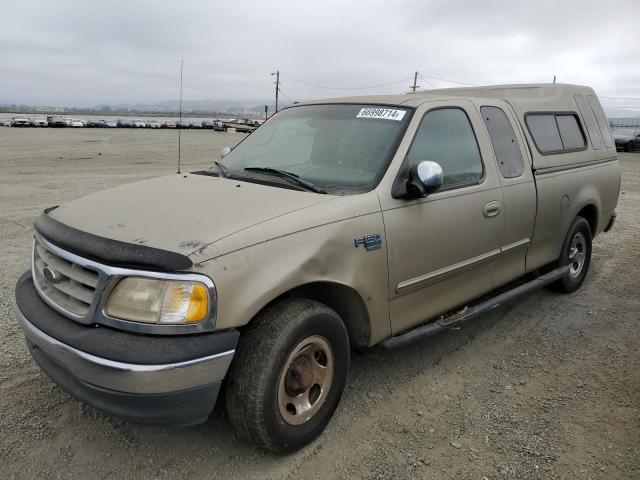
381, 113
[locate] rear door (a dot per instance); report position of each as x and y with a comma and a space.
513, 162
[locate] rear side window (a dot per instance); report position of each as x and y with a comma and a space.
504, 142
555, 132
601, 119
445, 136
570, 132
590, 121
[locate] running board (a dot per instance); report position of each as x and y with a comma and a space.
469, 313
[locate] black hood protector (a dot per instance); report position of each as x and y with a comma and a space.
108, 251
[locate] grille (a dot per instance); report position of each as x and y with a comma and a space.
63, 283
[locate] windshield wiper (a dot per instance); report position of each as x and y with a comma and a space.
223, 169
283, 173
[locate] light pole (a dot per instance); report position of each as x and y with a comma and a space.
277, 74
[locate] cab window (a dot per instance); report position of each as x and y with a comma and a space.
445, 136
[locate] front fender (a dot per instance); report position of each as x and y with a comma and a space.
248, 279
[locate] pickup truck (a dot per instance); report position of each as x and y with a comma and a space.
337, 225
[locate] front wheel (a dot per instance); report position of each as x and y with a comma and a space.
288, 374
576, 253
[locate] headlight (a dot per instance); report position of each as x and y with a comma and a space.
165, 302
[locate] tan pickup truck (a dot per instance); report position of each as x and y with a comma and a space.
337, 224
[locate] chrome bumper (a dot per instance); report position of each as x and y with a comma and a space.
128, 377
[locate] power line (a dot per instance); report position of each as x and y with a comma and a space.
287, 96
346, 88
622, 98
427, 81
422, 75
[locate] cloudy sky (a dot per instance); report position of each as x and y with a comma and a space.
87, 53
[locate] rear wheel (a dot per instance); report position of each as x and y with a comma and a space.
576, 253
628, 147
288, 374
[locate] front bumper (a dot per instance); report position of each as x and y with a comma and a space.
140, 378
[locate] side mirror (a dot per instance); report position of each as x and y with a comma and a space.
424, 178
224, 152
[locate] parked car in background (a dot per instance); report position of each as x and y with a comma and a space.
40, 122
110, 124
5, 122
94, 124
627, 139
218, 126
56, 122
21, 122
73, 122
137, 123
124, 123
153, 124
168, 124
240, 125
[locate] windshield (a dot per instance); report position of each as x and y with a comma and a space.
336, 146
629, 132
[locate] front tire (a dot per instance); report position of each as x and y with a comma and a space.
576, 253
288, 374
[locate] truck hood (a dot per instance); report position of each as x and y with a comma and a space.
181, 213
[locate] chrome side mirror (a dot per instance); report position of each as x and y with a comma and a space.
224, 152
424, 178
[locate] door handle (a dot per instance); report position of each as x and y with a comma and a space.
492, 209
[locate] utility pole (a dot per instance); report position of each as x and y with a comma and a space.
277, 74
415, 85
554, 79
266, 112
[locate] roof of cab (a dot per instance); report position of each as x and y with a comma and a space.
539, 95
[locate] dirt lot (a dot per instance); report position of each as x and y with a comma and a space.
547, 387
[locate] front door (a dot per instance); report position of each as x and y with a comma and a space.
441, 248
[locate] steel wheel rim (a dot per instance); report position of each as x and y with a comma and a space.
305, 380
577, 254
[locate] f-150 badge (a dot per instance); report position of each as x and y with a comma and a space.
370, 242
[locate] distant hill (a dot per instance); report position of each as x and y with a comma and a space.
189, 107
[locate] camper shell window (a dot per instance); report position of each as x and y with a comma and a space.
556, 132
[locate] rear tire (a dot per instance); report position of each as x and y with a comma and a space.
288, 374
628, 147
576, 252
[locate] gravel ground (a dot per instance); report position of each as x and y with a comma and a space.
546, 387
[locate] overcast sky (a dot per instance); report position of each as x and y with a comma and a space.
86, 53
